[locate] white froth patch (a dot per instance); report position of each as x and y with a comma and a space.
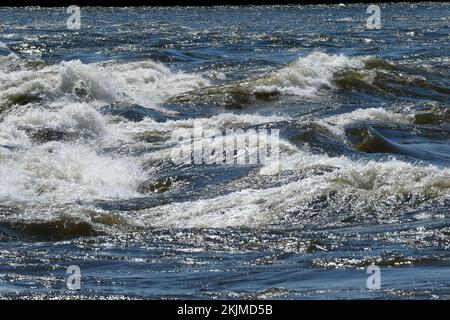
221, 122
335, 124
86, 81
81, 119
293, 91
65, 172
214, 126
308, 74
242, 208
72, 92
73, 117
388, 178
215, 140
13, 183
146, 83
369, 183
11, 136
377, 114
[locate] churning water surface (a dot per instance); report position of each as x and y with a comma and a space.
86, 170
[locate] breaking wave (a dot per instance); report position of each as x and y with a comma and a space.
66, 172
75, 133
318, 73
362, 191
145, 83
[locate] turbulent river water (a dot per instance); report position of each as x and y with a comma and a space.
87, 176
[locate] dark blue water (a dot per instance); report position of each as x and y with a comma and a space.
87, 176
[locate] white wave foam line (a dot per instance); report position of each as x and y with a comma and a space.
367, 185
335, 124
73, 117
38, 212
213, 130
213, 140
146, 83
308, 74
9, 60
66, 172
11, 136
377, 114
221, 121
80, 119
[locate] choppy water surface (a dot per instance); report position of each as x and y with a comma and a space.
86, 176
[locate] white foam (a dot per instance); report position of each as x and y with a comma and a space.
72, 93
376, 186
57, 172
72, 117
210, 127
221, 121
79, 118
376, 114
146, 83
308, 74
87, 81
335, 124
11, 136
66, 172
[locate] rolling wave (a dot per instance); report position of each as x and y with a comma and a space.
74, 133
